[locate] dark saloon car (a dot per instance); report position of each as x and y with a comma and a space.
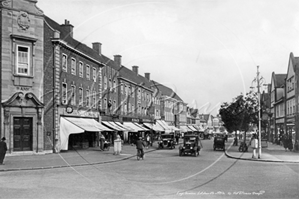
166, 141
191, 145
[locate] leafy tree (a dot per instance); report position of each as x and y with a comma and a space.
241, 113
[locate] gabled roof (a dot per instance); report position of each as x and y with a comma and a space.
166, 91
279, 79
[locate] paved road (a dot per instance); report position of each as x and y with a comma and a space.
163, 174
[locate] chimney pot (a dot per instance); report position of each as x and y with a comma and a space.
147, 76
117, 60
97, 47
68, 27
135, 69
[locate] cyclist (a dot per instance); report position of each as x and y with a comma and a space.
140, 146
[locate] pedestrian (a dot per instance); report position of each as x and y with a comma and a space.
254, 145
148, 141
102, 140
3, 149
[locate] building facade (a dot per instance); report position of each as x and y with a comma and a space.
22, 103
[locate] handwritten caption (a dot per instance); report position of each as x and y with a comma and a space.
186, 193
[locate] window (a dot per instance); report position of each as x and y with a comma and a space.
64, 62
125, 90
87, 98
132, 108
94, 99
88, 71
73, 99
105, 82
64, 93
121, 88
80, 69
23, 60
73, 66
94, 74
115, 85
109, 83
105, 104
80, 93
115, 106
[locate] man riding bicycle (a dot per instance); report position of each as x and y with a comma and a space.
140, 147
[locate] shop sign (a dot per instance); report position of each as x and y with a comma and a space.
69, 109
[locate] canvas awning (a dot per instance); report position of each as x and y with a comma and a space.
164, 125
87, 124
113, 126
174, 128
154, 127
69, 125
132, 126
140, 126
185, 129
192, 128
124, 127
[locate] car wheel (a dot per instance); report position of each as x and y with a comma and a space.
195, 153
180, 153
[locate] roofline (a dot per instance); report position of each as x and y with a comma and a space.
65, 44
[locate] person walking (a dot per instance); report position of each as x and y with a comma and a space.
102, 140
3, 149
254, 145
140, 147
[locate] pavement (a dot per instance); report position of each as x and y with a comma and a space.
270, 153
93, 156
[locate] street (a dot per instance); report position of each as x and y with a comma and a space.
163, 174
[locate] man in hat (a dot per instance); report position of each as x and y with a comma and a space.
3, 149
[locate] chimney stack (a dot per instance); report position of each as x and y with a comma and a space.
97, 47
67, 27
147, 76
135, 69
117, 60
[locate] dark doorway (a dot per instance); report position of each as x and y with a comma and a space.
22, 134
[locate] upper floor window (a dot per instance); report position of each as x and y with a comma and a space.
88, 71
94, 99
64, 62
73, 66
87, 98
94, 74
105, 104
80, 69
80, 93
23, 60
105, 82
64, 93
73, 99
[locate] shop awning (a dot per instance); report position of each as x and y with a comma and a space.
174, 128
112, 126
164, 125
132, 126
185, 129
67, 128
87, 124
192, 128
140, 126
154, 127
124, 127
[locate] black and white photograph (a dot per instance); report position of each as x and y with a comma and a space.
149, 99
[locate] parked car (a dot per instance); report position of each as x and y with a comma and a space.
166, 141
191, 145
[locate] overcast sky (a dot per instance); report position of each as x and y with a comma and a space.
207, 51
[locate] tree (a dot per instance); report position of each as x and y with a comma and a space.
241, 113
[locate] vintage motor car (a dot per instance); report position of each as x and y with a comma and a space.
166, 141
191, 145
219, 142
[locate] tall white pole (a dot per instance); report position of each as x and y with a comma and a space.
259, 119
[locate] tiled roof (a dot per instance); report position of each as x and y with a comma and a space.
131, 76
279, 80
65, 36
166, 91
295, 61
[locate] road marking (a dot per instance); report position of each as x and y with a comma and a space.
191, 176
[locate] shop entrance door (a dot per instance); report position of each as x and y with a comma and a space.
22, 134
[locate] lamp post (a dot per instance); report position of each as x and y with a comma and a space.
259, 117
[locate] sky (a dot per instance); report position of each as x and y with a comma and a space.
207, 51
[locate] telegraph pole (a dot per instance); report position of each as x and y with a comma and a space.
259, 117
